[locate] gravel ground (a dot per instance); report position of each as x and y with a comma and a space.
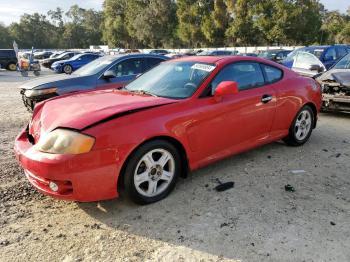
257, 220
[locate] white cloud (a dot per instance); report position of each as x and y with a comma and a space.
12, 10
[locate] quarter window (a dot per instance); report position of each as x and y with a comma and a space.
246, 74
273, 74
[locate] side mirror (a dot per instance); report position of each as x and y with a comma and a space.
109, 74
225, 88
317, 68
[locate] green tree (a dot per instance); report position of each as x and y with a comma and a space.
33, 30
243, 29
5, 37
191, 15
115, 32
215, 25
152, 23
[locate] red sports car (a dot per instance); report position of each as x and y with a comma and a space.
179, 116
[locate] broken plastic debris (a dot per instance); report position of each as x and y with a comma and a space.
289, 188
224, 186
298, 171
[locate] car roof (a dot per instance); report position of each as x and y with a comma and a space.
222, 59
135, 55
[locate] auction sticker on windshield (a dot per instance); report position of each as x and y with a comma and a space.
204, 67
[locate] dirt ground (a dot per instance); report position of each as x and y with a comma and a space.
257, 220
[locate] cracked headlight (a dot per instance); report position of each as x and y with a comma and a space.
64, 141
39, 92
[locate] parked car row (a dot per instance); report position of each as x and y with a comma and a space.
103, 72
135, 123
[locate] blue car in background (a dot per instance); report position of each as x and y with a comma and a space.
104, 72
328, 54
70, 65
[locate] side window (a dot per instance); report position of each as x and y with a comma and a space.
330, 54
246, 74
273, 74
152, 62
341, 51
129, 67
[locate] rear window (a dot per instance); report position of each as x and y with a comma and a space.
273, 74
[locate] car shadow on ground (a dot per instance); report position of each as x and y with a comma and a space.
194, 215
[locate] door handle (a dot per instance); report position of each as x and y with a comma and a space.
266, 98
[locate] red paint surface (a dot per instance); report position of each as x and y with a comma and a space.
208, 129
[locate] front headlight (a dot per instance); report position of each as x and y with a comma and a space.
64, 141
39, 92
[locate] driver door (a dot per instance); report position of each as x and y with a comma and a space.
238, 122
125, 71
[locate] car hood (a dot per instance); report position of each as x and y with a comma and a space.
82, 110
341, 76
49, 81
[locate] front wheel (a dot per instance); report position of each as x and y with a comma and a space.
68, 69
301, 128
152, 171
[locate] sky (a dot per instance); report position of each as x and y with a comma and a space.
11, 10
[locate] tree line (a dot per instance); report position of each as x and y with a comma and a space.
182, 23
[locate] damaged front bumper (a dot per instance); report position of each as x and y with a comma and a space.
336, 102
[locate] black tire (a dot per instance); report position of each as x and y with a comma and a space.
67, 69
36, 73
11, 67
129, 174
292, 139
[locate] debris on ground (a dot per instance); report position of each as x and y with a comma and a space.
289, 188
298, 171
224, 186
333, 223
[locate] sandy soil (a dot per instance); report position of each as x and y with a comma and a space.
257, 220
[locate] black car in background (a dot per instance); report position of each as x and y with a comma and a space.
42, 55
64, 56
8, 59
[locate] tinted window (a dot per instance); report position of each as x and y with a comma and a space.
344, 63
330, 54
129, 67
247, 75
341, 51
7, 53
152, 62
273, 74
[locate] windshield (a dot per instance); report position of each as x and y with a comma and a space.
95, 66
176, 80
344, 63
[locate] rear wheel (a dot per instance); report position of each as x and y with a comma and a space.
301, 128
12, 67
152, 171
68, 69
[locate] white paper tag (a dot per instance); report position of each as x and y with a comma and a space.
204, 67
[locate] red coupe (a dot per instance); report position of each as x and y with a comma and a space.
181, 115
